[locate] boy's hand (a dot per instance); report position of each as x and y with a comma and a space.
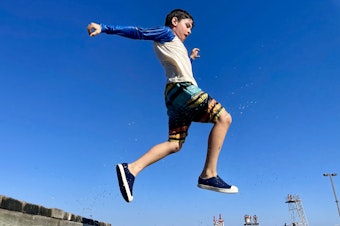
94, 29
195, 53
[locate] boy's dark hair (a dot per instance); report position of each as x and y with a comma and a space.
180, 14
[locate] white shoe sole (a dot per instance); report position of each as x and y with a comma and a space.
231, 190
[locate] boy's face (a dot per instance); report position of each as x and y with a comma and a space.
182, 28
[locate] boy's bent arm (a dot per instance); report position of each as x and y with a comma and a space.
194, 54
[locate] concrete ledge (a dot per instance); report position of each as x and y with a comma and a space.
19, 213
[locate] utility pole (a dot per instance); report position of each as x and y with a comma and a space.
330, 175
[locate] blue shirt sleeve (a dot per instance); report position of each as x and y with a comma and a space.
158, 34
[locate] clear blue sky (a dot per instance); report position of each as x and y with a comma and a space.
72, 107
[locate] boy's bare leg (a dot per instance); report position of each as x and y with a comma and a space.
215, 142
155, 154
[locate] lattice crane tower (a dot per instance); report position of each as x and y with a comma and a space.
296, 209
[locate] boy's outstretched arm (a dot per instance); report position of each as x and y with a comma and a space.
159, 34
94, 29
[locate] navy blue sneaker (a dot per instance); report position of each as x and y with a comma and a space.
216, 184
125, 179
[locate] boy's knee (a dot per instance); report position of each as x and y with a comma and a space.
176, 146
229, 119
225, 119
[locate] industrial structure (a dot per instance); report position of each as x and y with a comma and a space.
219, 221
298, 217
248, 220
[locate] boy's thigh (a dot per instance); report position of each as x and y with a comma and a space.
201, 107
209, 111
186, 104
178, 126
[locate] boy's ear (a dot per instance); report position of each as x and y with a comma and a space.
174, 21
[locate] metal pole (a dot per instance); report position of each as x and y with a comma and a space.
336, 199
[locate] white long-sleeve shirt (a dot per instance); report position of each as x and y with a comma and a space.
169, 49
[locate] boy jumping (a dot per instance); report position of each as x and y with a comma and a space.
185, 101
